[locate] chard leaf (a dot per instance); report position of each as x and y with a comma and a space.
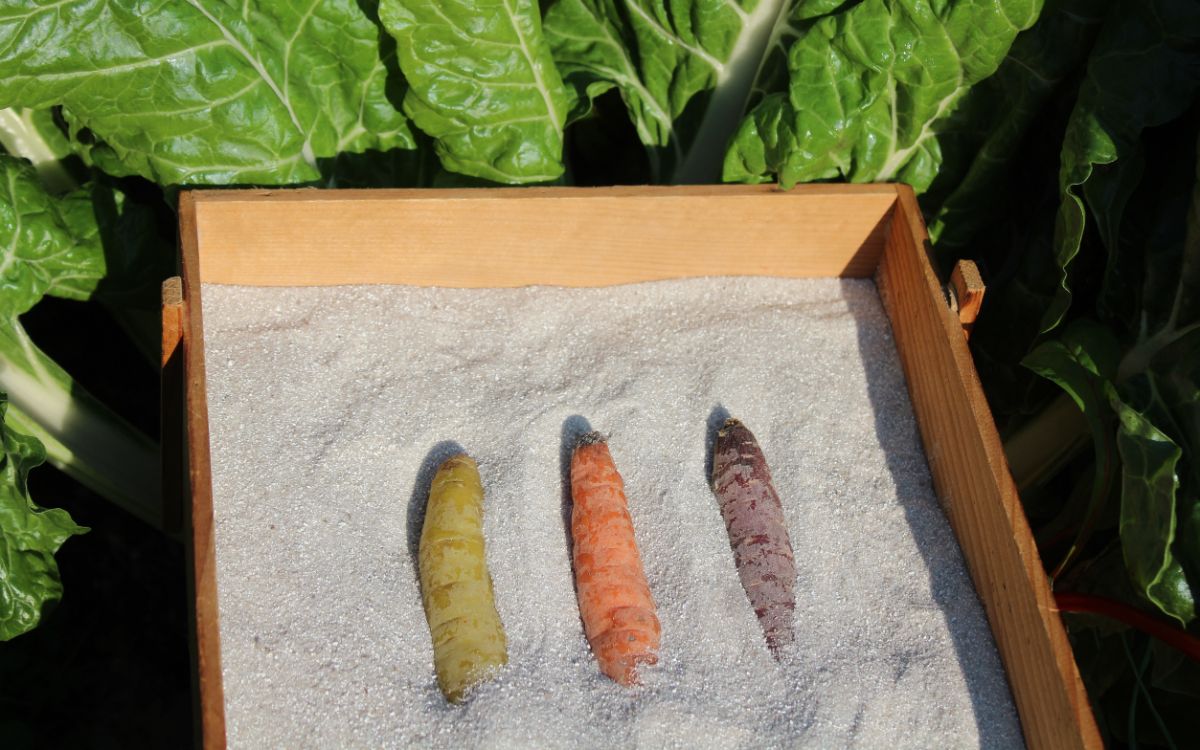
1151, 287
772, 76
1148, 524
1083, 363
591, 48
32, 134
53, 246
809, 9
29, 536
1168, 396
1187, 540
1006, 105
1172, 354
869, 89
1179, 371
1142, 73
483, 85
686, 70
1147, 370
205, 91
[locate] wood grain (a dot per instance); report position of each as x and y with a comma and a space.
172, 317
210, 694
557, 236
968, 289
171, 409
977, 492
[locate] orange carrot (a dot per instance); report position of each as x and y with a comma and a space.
614, 598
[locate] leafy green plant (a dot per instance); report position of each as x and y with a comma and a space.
1094, 290
31, 536
1051, 140
55, 248
1127, 358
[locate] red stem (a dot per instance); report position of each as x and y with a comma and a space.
1133, 617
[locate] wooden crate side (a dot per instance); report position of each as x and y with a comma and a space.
387, 195
199, 476
552, 236
975, 488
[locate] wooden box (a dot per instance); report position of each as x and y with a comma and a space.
595, 237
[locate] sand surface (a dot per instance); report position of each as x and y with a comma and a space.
330, 408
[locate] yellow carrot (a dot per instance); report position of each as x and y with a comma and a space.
469, 645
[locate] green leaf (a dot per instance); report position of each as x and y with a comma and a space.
1006, 106
870, 87
1142, 73
1083, 363
32, 134
1138, 206
687, 71
1172, 353
1148, 486
592, 46
30, 536
1187, 539
772, 76
811, 9
53, 246
205, 91
660, 59
483, 85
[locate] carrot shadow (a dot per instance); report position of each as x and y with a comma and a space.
573, 428
420, 493
716, 420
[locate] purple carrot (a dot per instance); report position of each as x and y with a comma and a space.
754, 519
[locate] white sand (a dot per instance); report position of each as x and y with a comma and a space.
330, 408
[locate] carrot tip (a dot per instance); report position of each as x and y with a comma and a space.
591, 438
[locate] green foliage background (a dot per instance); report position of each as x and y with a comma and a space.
1053, 142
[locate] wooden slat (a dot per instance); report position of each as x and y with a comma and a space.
171, 410
973, 483
172, 317
968, 288
520, 237
203, 551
